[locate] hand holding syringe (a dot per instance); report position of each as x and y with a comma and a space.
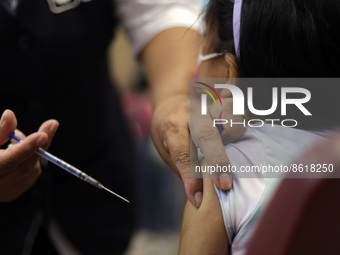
69, 168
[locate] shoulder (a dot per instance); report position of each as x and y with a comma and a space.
270, 145
258, 147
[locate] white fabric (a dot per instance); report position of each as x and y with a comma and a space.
243, 204
143, 19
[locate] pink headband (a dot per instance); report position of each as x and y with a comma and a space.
236, 25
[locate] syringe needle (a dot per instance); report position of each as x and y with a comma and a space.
115, 194
69, 168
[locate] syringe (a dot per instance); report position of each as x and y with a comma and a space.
69, 168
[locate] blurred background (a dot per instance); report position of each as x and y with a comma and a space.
160, 194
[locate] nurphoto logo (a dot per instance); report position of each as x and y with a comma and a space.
239, 104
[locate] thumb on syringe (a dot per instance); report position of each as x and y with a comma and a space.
22, 151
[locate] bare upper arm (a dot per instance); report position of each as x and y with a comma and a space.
203, 230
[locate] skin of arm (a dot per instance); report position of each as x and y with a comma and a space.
169, 60
203, 230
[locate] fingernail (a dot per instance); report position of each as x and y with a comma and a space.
1, 120
225, 181
198, 198
41, 140
53, 128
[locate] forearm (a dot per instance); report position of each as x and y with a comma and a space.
169, 61
203, 230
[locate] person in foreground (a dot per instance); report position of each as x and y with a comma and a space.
273, 39
53, 65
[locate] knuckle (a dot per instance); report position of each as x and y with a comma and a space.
208, 134
182, 157
220, 160
170, 123
194, 184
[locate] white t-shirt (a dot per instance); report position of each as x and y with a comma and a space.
243, 204
143, 19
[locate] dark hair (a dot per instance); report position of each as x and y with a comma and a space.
285, 38
219, 24
290, 38
280, 38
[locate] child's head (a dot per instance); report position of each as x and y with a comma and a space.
279, 38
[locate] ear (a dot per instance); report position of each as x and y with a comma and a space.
231, 66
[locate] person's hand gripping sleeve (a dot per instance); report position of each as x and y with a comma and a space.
176, 139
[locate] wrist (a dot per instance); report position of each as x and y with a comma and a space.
171, 99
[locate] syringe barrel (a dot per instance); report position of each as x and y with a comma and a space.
69, 168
